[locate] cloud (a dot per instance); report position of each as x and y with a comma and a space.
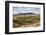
25, 10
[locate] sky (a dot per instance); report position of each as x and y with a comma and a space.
17, 10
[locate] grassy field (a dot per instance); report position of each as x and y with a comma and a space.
19, 21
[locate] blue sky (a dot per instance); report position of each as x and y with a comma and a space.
26, 10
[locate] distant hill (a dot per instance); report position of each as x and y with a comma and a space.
26, 14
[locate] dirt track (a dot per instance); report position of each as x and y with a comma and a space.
30, 25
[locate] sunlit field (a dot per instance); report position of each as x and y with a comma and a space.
26, 21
